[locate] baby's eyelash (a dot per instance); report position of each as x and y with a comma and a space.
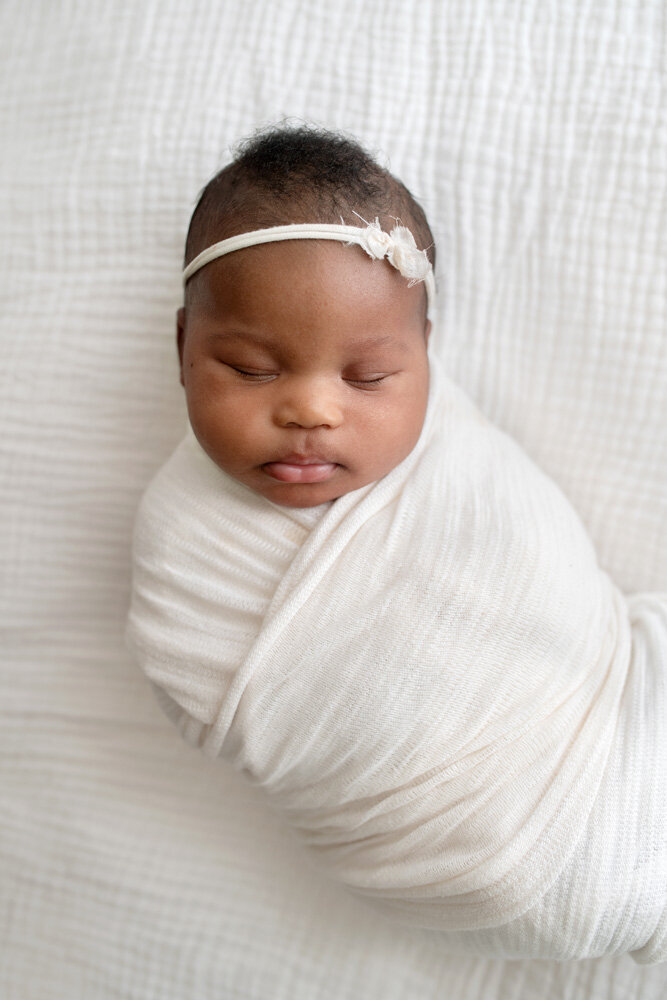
266, 376
367, 381
251, 375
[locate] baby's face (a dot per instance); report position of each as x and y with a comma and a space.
305, 368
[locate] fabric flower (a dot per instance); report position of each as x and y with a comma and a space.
377, 243
405, 257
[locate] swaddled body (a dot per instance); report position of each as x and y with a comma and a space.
436, 684
388, 618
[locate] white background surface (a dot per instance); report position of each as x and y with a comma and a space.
535, 136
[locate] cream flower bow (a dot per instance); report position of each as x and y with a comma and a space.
399, 248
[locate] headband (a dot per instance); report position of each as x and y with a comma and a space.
398, 247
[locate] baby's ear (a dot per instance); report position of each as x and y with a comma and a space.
180, 339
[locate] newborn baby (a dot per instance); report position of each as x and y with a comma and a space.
354, 588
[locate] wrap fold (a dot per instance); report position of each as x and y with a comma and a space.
435, 682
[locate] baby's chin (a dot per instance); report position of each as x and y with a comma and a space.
302, 494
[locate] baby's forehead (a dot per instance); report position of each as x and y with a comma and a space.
312, 284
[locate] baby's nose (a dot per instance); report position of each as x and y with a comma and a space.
308, 404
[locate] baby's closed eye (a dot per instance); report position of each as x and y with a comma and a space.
253, 375
367, 381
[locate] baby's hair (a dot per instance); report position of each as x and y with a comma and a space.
294, 174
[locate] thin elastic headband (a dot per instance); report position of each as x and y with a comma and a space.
398, 247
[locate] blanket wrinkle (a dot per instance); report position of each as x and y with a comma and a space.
458, 712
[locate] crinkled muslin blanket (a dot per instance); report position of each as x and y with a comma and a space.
432, 679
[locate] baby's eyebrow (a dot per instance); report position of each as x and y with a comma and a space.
384, 340
231, 334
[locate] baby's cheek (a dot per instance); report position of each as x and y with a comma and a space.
399, 426
210, 423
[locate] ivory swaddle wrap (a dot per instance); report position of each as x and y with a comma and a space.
434, 681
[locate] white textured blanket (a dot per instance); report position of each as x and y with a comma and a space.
432, 678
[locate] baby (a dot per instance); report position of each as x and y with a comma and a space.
355, 589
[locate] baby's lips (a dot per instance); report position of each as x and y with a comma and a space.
300, 472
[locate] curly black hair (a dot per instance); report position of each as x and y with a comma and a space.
290, 174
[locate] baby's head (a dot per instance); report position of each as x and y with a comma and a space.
304, 360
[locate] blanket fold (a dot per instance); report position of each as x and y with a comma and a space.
433, 679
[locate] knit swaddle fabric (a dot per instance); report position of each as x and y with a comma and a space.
432, 679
